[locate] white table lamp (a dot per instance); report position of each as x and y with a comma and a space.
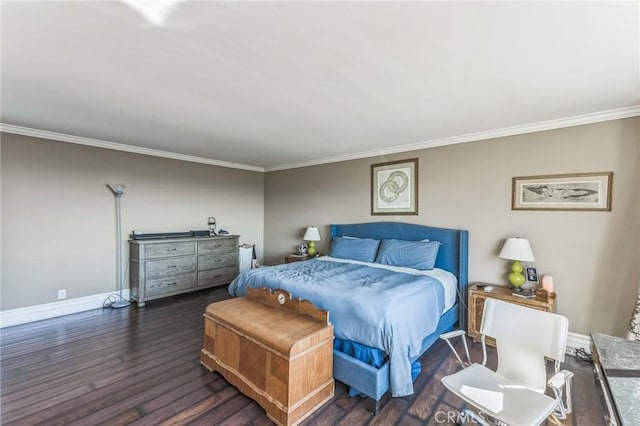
517, 249
312, 235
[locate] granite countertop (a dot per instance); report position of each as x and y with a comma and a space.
620, 361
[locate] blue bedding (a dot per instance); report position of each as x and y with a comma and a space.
376, 307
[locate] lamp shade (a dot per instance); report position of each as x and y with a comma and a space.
311, 234
118, 189
517, 249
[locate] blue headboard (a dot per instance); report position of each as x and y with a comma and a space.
453, 254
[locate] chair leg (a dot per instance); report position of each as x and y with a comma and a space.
561, 386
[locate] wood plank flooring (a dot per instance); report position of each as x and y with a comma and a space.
141, 367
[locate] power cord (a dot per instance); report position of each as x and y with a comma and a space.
583, 355
113, 298
461, 298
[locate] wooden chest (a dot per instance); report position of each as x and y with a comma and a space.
276, 350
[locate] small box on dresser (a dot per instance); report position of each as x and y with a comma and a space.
477, 297
166, 267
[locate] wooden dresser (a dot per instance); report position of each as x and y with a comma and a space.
478, 296
166, 267
275, 350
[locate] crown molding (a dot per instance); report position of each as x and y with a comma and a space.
44, 134
578, 120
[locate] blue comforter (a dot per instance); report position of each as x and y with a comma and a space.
389, 310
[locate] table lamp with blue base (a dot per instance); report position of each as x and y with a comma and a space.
517, 249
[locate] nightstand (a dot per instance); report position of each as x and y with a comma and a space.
478, 296
295, 258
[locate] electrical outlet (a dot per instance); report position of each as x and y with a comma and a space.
62, 294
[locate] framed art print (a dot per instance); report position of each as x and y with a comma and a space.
394, 188
578, 191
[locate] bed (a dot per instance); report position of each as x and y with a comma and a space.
380, 305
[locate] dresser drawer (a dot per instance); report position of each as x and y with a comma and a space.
217, 246
166, 267
170, 249
216, 276
214, 261
165, 285
171, 266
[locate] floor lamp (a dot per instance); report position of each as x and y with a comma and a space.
118, 191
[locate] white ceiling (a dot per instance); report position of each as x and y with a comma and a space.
271, 85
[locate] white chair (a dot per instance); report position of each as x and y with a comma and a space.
514, 393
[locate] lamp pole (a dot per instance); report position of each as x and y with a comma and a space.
118, 190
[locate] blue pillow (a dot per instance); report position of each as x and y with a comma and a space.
363, 249
410, 254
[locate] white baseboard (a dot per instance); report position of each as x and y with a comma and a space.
55, 309
578, 341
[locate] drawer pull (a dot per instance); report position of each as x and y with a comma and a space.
217, 276
172, 249
219, 260
217, 246
171, 266
173, 283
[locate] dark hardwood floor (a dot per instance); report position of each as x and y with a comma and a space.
141, 366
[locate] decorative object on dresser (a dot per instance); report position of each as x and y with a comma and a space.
517, 249
118, 191
211, 222
166, 267
577, 191
275, 350
394, 187
478, 295
547, 289
312, 235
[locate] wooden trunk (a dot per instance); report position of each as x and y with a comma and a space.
275, 350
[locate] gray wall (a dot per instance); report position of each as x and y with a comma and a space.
593, 256
58, 216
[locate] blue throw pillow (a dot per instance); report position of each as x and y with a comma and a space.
363, 249
410, 254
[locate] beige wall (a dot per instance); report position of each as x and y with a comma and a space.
593, 256
58, 216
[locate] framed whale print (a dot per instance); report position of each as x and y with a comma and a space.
577, 191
